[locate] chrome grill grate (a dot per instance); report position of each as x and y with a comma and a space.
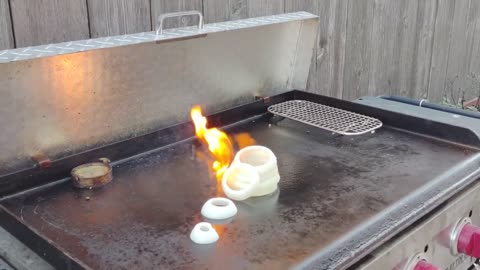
326, 117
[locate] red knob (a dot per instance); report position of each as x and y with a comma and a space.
424, 265
469, 241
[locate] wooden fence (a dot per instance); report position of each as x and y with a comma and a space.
417, 48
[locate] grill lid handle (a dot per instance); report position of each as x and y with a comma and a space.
162, 17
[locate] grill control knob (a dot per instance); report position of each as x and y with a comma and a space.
469, 241
424, 265
465, 238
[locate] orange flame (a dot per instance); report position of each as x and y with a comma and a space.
217, 141
243, 140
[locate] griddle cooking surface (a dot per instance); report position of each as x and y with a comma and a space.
329, 185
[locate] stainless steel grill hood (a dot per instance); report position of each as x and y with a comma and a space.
60, 99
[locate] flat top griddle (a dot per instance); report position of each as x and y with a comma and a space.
330, 185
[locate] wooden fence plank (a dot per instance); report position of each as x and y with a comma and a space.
401, 47
302, 5
257, 8
165, 6
474, 67
334, 62
456, 53
387, 38
326, 71
441, 45
357, 48
417, 84
48, 21
221, 10
392, 47
406, 49
118, 17
457, 77
6, 36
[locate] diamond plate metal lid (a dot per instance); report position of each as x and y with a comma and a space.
144, 37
